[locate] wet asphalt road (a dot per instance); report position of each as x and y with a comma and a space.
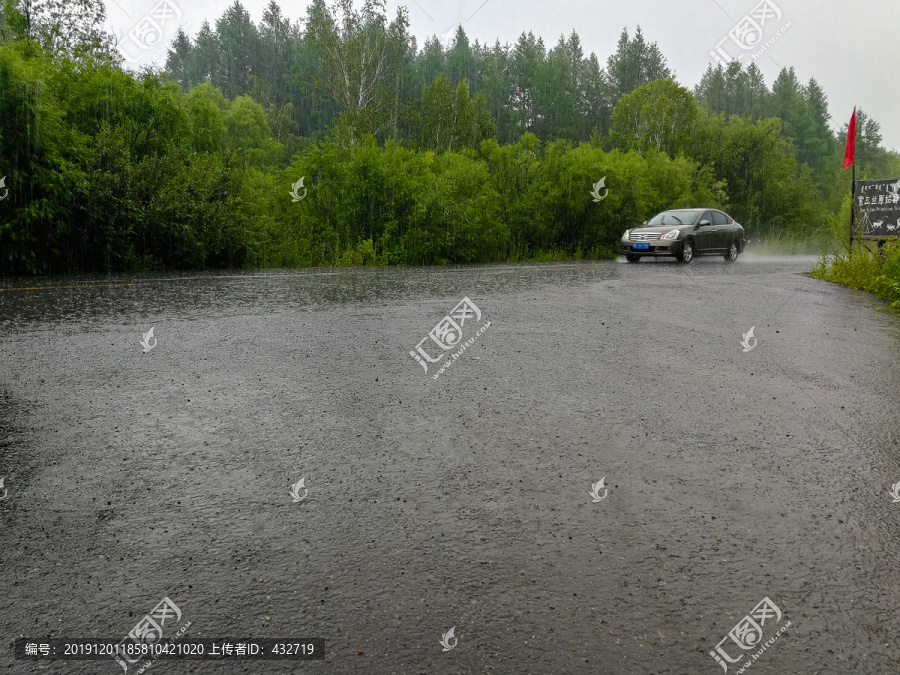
463, 501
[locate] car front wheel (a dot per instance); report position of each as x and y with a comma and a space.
732, 254
687, 252
632, 258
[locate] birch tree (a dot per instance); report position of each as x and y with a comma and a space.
59, 26
359, 54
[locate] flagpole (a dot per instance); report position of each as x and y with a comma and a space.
850, 158
852, 199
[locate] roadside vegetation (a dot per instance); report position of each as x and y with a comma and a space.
433, 155
866, 267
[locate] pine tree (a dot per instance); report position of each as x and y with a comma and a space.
555, 95
635, 63
461, 63
238, 39
178, 62
497, 89
525, 62
758, 93
206, 56
595, 97
818, 138
710, 91
277, 41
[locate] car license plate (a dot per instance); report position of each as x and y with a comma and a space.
637, 247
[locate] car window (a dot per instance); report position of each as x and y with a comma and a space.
673, 218
707, 215
719, 218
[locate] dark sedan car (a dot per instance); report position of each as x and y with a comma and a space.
684, 234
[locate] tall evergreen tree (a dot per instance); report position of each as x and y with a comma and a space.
818, 140
277, 40
872, 160
711, 90
787, 101
634, 63
525, 62
497, 89
206, 61
556, 95
430, 62
595, 96
179, 62
461, 61
239, 41
758, 93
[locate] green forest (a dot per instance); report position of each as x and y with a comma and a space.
334, 139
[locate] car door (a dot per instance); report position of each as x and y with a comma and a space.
733, 232
723, 236
704, 236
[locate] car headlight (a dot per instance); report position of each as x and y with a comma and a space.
625, 236
669, 236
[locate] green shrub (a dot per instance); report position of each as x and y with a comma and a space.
866, 268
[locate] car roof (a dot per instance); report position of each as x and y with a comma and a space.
702, 209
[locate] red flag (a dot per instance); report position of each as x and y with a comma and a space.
851, 141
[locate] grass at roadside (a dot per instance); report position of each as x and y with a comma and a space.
865, 268
365, 255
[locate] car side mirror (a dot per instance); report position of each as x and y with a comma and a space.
704, 223
645, 222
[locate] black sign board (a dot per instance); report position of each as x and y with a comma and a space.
877, 205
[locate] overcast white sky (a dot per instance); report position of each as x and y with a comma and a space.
852, 47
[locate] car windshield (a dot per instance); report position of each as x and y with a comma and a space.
673, 218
